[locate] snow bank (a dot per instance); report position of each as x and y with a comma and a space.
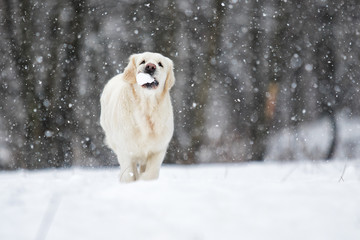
300, 200
312, 140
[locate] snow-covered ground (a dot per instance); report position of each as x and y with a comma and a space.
301, 200
311, 140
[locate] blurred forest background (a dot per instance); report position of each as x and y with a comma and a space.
247, 72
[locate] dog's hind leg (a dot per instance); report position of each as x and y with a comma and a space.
153, 164
142, 168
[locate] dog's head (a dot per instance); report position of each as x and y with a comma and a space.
154, 64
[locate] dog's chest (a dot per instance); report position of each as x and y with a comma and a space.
152, 123
148, 125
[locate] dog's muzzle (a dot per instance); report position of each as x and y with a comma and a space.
152, 85
150, 68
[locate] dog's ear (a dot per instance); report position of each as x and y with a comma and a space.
170, 78
130, 70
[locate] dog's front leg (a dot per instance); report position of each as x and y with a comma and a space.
128, 172
153, 164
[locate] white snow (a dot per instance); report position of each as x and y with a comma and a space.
301, 200
312, 140
143, 78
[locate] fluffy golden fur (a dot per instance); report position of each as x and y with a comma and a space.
138, 120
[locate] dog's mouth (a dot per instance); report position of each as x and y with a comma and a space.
152, 85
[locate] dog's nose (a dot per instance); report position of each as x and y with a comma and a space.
150, 68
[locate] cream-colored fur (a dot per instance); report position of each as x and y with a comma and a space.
138, 122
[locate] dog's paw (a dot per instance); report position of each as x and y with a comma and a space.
127, 176
150, 175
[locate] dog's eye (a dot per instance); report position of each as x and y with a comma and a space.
160, 64
143, 62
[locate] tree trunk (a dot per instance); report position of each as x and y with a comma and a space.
325, 70
213, 38
258, 127
67, 124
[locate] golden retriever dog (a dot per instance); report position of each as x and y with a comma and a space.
137, 115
